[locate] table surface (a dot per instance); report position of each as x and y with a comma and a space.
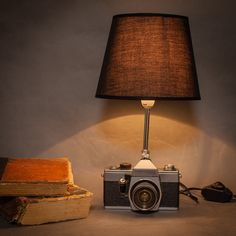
205, 218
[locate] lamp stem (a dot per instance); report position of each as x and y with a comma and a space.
147, 104
146, 128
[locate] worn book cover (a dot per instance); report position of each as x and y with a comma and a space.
35, 177
40, 210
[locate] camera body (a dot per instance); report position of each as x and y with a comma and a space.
143, 188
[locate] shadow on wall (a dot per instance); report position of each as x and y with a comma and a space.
50, 65
31, 128
49, 72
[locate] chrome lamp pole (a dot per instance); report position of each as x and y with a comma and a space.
147, 105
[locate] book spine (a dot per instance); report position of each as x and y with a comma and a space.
14, 209
3, 164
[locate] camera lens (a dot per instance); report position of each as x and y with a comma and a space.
145, 195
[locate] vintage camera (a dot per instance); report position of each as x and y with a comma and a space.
143, 188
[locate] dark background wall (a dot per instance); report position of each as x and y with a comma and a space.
50, 58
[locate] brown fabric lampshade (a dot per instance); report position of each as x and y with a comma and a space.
149, 56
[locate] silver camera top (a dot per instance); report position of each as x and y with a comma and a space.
145, 168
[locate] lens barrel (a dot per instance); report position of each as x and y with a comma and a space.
145, 195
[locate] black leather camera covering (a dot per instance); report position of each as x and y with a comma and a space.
217, 192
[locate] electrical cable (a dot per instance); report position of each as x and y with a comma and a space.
213, 194
187, 192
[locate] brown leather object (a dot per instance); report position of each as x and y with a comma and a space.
34, 170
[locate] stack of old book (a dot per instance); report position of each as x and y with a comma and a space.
36, 191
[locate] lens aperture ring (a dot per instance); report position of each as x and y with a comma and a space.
145, 195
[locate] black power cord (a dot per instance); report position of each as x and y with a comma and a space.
187, 192
216, 192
